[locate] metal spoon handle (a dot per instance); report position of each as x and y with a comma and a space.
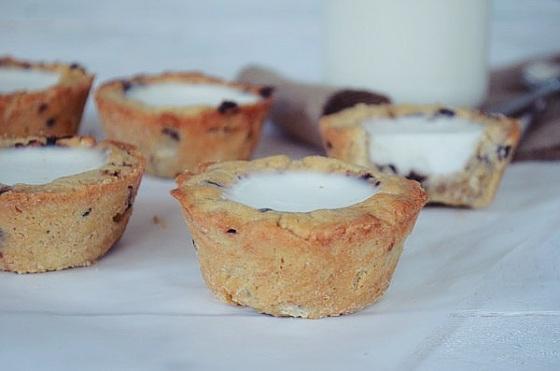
525, 101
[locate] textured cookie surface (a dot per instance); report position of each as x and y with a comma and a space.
55, 110
473, 184
313, 264
73, 220
174, 138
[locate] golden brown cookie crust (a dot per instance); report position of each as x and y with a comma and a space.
72, 221
344, 138
174, 139
55, 111
312, 264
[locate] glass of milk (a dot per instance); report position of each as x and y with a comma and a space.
417, 51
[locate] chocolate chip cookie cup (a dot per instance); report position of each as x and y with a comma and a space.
458, 155
41, 99
310, 238
179, 120
65, 202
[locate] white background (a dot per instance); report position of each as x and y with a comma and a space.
474, 289
121, 37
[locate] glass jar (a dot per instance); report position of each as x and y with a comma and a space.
417, 51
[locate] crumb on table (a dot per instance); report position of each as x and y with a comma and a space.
158, 221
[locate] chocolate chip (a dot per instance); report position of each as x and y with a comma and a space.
371, 179
391, 167
214, 183
125, 84
25, 65
74, 66
416, 176
266, 91
42, 107
130, 197
86, 213
231, 231
50, 122
50, 141
115, 173
4, 188
503, 152
349, 98
483, 158
265, 209
19, 145
173, 134
228, 106
329, 145
446, 112
118, 217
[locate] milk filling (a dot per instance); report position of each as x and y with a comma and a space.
299, 191
420, 144
41, 165
19, 79
176, 94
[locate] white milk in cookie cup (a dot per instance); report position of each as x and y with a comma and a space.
181, 119
42, 165
310, 238
20, 79
430, 51
432, 145
458, 155
177, 94
63, 202
41, 99
299, 191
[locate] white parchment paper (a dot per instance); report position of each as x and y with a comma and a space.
474, 289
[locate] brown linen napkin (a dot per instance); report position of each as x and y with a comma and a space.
542, 139
298, 107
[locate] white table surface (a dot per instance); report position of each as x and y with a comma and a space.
473, 290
